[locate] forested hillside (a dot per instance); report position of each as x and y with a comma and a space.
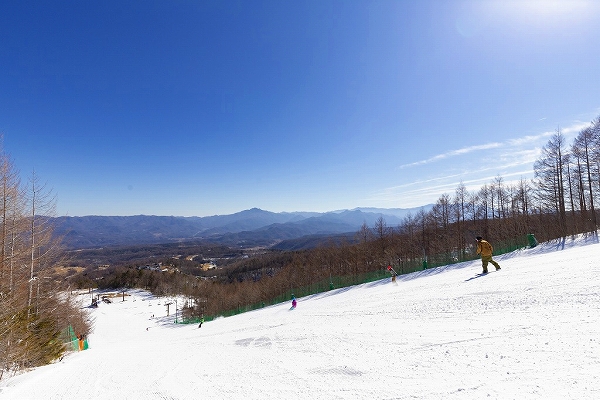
249, 228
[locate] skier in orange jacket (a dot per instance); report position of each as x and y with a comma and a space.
485, 249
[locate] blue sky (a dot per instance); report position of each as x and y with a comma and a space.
212, 107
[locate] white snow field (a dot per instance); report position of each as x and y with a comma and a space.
529, 331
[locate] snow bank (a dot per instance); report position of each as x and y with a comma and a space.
529, 331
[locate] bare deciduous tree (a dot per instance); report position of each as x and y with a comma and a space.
550, 179
33, 310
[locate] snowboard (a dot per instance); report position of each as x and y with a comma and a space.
479, 275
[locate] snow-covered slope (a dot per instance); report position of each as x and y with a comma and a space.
529, 331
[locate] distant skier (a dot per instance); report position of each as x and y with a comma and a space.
201, 322
294, 303
391, 271
485, 249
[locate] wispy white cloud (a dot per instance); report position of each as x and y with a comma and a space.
574, 129
529, 139
418, 193
511, 159
453, 153
519, 157
510, 144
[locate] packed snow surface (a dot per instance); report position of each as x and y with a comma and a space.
528, 331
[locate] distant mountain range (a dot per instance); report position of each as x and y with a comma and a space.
249, 228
